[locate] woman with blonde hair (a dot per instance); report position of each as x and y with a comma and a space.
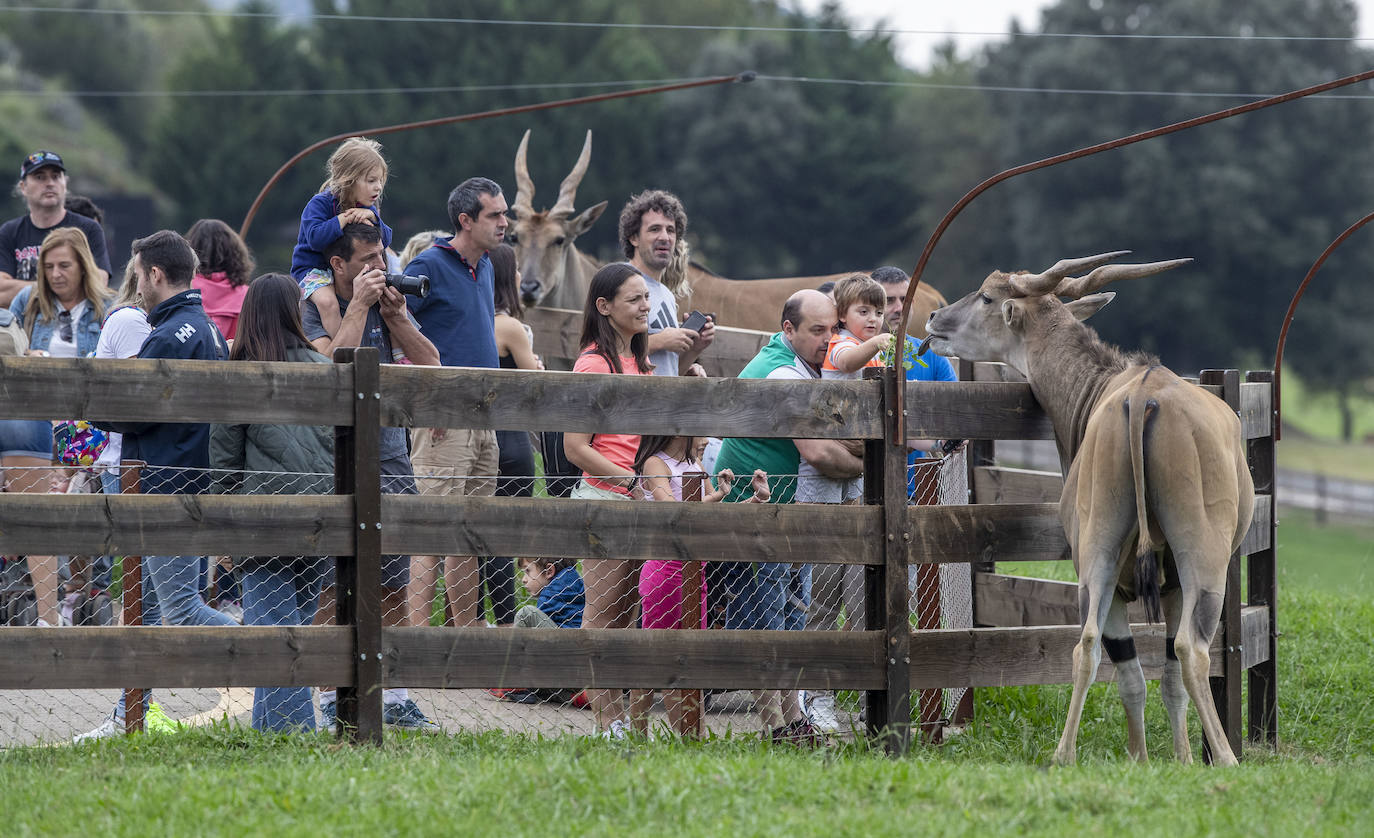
62, 314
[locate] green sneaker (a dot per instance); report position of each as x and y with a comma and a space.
156, 721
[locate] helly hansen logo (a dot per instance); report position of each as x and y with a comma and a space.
185, 332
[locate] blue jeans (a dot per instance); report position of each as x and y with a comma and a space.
798, 602
176, 580
282, 591
756, 594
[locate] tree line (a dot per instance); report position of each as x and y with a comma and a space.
780, 177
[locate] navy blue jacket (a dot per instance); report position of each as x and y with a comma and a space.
181, 330
563, 598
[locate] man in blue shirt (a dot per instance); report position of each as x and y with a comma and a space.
459, 315
937, 367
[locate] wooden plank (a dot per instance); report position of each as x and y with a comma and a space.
359, 580
610, 658
1258, 539
594, 403
987, 533
160, 525
974, 410
589, 529
129, 390
1256, 408
1014, 601
997, 657
557, 330
1254, 620
1262, 588
82, 657
996, 484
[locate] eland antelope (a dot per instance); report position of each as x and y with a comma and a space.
1157, 495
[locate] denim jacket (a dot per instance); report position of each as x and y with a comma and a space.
86, 329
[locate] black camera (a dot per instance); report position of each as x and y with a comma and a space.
415, 286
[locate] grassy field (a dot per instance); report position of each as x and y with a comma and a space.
994, 776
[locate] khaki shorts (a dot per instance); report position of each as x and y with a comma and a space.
463, 462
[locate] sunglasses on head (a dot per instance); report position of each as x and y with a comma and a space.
64, 325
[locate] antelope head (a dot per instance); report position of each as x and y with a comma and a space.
543, 240
995, 322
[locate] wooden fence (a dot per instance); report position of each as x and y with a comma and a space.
358, 524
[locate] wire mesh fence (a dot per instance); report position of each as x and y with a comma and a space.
505, 593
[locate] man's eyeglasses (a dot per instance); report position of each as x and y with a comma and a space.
64, 325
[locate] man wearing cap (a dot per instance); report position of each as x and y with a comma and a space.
43, 186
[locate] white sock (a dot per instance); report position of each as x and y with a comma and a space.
395, 695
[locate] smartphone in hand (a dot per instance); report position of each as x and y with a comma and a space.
696, 321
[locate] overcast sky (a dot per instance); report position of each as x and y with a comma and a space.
973, 16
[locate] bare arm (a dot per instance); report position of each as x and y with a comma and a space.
850, 359
673, 340
829, 457
657, 480
10, 287
350, 332
510, 338
404, 333
579, 450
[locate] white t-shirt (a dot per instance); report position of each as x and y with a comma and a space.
59, 348
662, 315
122, 336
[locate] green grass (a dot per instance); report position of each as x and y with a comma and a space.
994, 776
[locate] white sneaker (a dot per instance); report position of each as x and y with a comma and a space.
820, 709
618, 730
108, 729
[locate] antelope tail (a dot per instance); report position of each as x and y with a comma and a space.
1138, 416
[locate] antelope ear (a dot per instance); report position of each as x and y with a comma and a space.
1088, 306
584, 221
1013, 314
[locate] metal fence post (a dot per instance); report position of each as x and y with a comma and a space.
357, 471
131, 591
1262, 586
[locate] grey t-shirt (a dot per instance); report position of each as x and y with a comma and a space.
393, 440
662, 315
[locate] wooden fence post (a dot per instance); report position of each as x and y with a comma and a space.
889, 709
131, 592
1262, 586
1226, 689
357, 472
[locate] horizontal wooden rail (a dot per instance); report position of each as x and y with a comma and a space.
131, 390
592, 403
584, 529
974, 410
557, 330
176, 525
321, 525
160, 657
996, 484
163, 656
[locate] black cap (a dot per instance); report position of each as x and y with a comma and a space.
38, 160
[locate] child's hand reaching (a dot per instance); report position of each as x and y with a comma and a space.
759, 483
725, 480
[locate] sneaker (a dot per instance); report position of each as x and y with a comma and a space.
329, 715
232, 610
157, 721
580, 700
519, 696
799, 733
617, 731
820, 710
111, 727
407, 715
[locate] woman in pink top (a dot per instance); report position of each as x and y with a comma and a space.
226, 266
615, 326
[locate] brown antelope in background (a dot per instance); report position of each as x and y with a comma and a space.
555, 274
1157, 495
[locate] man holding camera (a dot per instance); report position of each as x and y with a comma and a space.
651, 225
375, 315
459, 315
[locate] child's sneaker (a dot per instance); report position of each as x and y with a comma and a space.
406, 715
820, 709
617, 731
329, 715
157, 721
108, 729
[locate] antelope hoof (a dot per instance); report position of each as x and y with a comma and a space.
1064, 756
